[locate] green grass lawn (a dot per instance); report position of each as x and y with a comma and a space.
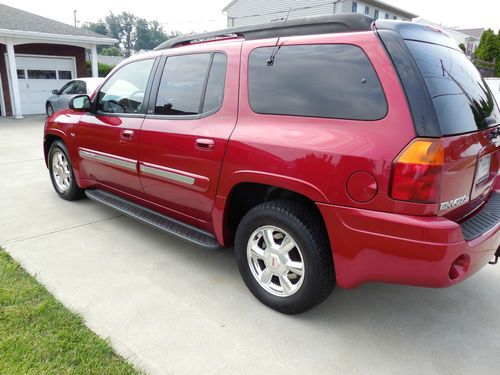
38, 335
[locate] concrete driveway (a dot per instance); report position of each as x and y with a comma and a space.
173, 308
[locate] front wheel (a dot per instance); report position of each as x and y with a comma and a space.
284, 256
61, 173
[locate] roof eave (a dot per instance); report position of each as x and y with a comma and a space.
229, 5
56, 37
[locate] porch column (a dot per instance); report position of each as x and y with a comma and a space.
14, 84
95, 70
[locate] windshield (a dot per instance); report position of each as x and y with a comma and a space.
461, 98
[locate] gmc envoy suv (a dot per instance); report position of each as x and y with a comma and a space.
334, 150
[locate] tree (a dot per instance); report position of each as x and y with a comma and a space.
489, 49
462, 46
133, 33
111, 51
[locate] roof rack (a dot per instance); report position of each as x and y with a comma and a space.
334, 23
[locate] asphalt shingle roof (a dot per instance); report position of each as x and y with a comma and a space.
17, 19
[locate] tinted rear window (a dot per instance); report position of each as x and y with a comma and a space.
331, 81
461, 98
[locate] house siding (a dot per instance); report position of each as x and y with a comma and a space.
40, 49
248, 12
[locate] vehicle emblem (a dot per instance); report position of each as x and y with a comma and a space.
454, 203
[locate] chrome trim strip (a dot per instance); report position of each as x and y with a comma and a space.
108, 160
168, 175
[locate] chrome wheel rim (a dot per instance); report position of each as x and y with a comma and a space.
276, 261
61, 171
50, 110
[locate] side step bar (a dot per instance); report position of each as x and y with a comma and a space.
159, 221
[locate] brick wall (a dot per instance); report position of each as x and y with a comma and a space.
40, 49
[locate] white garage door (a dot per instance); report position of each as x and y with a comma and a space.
38, 76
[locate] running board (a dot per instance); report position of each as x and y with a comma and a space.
164, 223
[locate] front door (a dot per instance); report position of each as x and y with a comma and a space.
184, 141
108, 139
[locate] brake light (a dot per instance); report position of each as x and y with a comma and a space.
416, 175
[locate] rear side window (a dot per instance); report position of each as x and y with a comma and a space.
462, 100
329, 81
191, 84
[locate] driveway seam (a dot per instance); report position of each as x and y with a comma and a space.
22, 239
19, 161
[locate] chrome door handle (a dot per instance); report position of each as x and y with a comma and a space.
205, 144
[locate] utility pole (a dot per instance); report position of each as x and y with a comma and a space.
74, 16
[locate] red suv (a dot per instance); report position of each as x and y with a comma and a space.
329, 150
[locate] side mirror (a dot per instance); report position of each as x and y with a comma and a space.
80, 103
56, 92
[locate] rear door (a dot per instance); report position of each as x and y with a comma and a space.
108, 138
183, 140
468, 119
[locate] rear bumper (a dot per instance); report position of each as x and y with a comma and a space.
377, 246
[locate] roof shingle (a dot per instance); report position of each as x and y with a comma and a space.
17, 19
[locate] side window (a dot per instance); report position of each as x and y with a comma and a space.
329, 81
79, 88
124, 92
185, 88
67, 88
214, 95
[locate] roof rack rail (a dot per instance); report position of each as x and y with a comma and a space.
334, 23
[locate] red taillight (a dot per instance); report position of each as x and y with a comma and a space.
416, 172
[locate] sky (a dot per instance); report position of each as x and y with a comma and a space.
198, 15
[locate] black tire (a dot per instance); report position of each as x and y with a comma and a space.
49, 109
307, 230
73, 192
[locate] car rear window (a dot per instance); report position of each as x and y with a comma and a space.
329, 81
462, 100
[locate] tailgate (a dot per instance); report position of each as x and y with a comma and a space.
471, 166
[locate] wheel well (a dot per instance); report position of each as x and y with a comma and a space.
245, 196
47, 142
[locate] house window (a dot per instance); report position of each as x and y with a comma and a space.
367, 11
41, 74
387, 16
354, 7
21, 74
376, 14
65, 74
394, 17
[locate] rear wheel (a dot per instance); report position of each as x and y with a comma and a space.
61, 173
49, 109
284, 256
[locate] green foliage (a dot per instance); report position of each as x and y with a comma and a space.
111, 51
103, 69
38, 335
489, 48
133, 33
462, 46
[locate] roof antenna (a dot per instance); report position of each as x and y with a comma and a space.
270, 61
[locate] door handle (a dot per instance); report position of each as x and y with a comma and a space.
127, 134
205, 144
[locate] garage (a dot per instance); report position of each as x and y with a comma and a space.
38, 76
38, 55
